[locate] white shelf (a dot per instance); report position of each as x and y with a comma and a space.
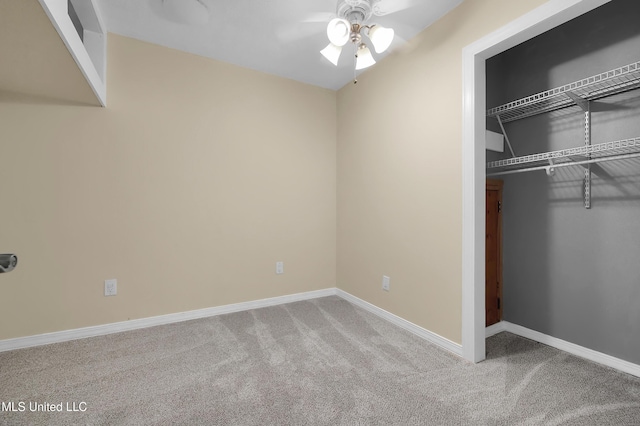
598, 86
573, 156
577, 94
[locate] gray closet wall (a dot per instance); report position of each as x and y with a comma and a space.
570, 272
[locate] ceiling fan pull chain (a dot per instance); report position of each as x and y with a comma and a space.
355, 75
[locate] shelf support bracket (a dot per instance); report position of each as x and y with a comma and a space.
587, 170
506, 138
581, 102
550, 169
585, 105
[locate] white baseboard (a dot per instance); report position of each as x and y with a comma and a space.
403, 323
117, 327
572, 348
100, 330
494, 329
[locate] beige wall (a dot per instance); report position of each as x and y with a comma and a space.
199, 176
188, 188
35, 64
399, 171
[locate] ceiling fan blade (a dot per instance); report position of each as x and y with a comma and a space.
189, 12
386, 7
299, 31
311, 24
319, 17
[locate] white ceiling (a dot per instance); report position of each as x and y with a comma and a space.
265, 35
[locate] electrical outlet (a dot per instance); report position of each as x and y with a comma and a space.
110, 287
279, 268
385, 282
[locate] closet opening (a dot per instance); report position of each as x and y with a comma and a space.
474, 56
568, 100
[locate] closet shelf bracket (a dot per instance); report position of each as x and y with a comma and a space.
550, 169
506, 138
586, 107
581, 102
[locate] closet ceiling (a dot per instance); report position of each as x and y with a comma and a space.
268, 36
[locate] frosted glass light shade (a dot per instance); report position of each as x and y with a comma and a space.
332, 53
365, 58
338, 31
381, 37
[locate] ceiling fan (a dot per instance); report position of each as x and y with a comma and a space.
353, 22
350, 26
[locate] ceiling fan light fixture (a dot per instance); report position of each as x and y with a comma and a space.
332, 53
381, 37
338, 31
364, 58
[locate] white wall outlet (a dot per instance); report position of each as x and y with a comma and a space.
385, 282
110, 287
279, 268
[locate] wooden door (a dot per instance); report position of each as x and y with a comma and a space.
493, 252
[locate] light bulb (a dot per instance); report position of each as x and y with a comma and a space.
381, 37
338, 31
332, 53
365, 59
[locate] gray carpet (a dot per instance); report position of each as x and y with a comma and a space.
321, 362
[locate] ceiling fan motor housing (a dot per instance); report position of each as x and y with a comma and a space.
356, 11
355, 36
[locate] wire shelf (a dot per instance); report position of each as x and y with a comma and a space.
572, 155
598, 86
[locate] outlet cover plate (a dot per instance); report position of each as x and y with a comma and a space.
110, 287
386, 281
279, 268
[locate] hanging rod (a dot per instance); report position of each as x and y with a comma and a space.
575, 163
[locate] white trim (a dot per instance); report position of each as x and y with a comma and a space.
473, 199
56, 10
117, 327
403, 323
541, 19
572, 348
494, 329
100, 330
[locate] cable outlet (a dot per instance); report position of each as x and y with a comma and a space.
110, 287
385, 282
279, 268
